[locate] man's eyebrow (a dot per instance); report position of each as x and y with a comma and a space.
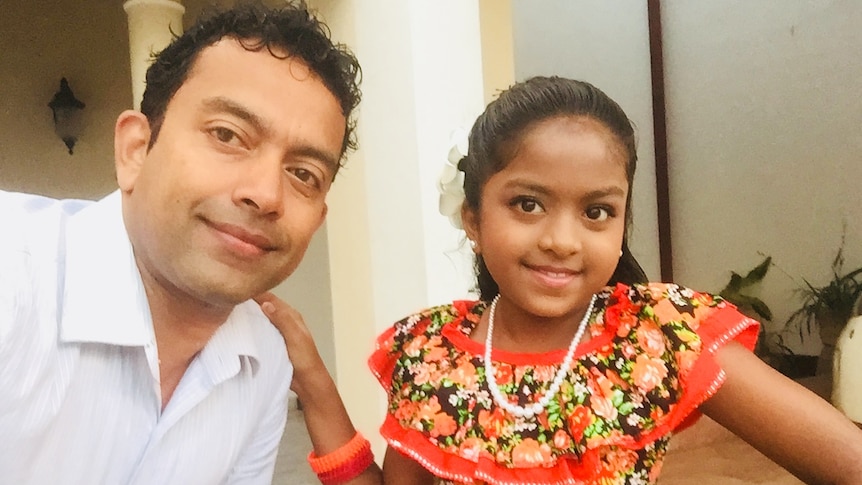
327, 158
238, 110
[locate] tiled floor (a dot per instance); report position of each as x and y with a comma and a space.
291, 467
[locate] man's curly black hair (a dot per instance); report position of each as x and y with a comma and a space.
288, 28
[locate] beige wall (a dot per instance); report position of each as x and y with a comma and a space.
498, 61
40, 42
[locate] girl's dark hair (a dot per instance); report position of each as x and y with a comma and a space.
505, 119
289, 28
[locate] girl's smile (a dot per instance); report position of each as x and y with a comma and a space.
553, 277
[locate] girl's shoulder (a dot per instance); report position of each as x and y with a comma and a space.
657, 291
432, 320
423, 330
681, 315
663, 302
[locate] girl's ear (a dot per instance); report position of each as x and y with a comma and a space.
470, 221
131, 143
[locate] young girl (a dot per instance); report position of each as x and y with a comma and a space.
570, 368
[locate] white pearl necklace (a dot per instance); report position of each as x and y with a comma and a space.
535, 408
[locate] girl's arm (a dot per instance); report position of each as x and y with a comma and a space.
329, 425
785, 421
400, 470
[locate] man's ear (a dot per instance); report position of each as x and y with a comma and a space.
323, 215
470, 222
131, 143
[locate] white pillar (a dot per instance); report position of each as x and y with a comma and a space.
152, 26
391, 252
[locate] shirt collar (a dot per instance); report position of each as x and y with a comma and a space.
104, 300
103, 297
233, 337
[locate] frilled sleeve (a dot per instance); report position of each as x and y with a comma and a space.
411, 334
682, 331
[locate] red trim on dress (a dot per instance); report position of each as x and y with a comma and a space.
707, 376
381, 363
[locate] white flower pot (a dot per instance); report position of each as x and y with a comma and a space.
847, 370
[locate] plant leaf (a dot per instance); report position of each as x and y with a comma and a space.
761, 309
758, 273
755, 304
734, 285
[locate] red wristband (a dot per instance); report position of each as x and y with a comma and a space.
343, 464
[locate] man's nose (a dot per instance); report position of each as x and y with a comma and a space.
261, 187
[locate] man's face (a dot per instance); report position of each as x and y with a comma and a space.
224, 204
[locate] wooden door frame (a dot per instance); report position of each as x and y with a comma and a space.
660, 140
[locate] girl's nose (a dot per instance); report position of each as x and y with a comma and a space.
561, 236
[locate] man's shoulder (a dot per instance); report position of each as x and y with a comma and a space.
16, 204
267, 343
33, 220
30, 258
33, 230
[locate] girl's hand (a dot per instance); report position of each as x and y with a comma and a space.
326, 418
303, 352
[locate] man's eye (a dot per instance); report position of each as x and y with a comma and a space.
224, 135
598, 214
305, 176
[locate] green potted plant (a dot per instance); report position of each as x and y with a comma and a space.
827, 307
735, 291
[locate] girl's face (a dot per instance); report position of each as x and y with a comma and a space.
550, 226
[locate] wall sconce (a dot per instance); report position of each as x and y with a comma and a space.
67, 115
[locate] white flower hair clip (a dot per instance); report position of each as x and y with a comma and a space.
451, 183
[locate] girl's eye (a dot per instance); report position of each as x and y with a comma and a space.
528, 205
598, 214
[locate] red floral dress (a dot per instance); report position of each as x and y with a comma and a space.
648, 365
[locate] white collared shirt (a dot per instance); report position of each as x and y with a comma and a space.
79, 389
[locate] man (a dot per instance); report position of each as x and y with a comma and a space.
129, 349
